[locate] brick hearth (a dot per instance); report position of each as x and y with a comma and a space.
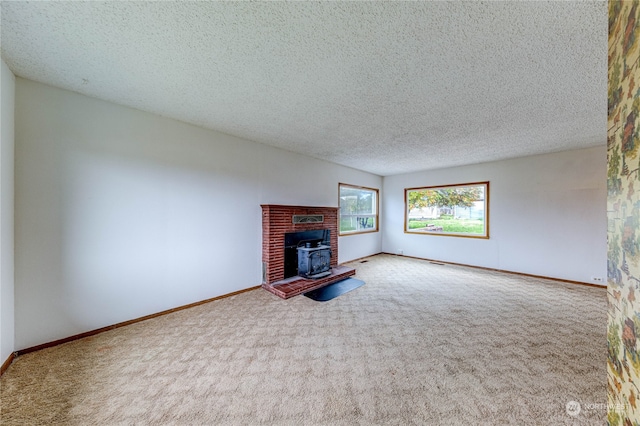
276, 222
294, 286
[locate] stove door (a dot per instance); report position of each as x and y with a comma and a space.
314, 263
320, 261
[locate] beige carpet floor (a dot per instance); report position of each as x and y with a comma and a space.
420, 343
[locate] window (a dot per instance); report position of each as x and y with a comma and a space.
454, 210
358, 209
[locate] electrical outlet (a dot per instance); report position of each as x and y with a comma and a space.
400, 252
596, 279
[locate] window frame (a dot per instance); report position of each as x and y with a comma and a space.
376, 215
484, 235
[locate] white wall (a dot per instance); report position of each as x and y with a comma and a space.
7, 98
121, 213
547, 216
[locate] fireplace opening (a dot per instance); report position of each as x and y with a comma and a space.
311, 241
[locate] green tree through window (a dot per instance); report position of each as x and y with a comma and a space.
358, 209
455, 210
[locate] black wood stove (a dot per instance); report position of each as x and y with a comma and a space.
314, 259
313, 240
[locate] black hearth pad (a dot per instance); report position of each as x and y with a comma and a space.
334, 290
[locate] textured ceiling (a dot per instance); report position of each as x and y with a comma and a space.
385, 87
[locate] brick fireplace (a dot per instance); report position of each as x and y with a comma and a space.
278, 220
